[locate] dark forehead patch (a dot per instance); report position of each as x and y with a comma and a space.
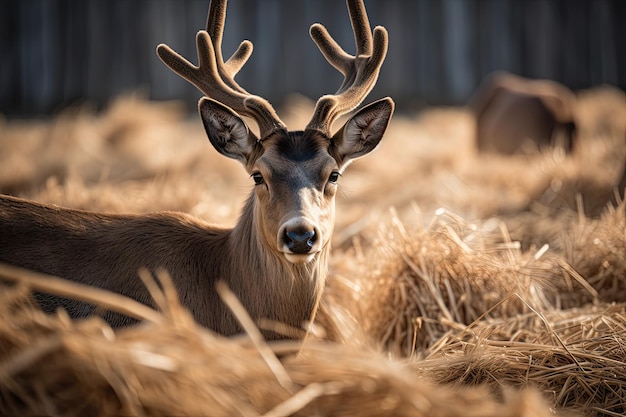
300, 146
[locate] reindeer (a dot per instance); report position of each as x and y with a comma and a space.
512, 111
275, 258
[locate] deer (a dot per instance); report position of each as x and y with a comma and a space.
275, 258
512, 111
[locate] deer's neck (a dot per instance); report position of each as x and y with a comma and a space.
268, 284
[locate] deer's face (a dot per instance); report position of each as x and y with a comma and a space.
295, 173
295, 185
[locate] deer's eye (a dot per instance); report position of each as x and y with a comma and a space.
334, 176
258, 178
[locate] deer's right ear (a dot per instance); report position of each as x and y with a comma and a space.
362, 133
228, 133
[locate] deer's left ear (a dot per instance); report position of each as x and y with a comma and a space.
362, 133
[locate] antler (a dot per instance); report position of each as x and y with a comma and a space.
215, 78
360, 72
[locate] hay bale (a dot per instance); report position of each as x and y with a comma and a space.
450, 273
425, 282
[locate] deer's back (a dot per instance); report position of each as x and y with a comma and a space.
106, 251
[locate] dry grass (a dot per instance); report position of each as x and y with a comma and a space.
575, 357
508, 301
451, 273
53, 366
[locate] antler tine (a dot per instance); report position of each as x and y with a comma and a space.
215, 25
360, 27
215, 28
360, 71
215, 78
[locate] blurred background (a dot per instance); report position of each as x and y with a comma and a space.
60, 52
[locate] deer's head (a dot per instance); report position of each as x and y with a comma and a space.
295, 173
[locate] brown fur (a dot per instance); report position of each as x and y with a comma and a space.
107, 250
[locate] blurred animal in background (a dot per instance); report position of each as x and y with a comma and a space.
515, 113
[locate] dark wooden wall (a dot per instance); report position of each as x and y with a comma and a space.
56, 52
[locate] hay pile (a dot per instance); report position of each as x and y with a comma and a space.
169, 365
510, 301
574, 357
451, 273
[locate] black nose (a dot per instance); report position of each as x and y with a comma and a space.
300, 241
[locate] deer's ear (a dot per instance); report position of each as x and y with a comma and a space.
228, 133
362, 133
